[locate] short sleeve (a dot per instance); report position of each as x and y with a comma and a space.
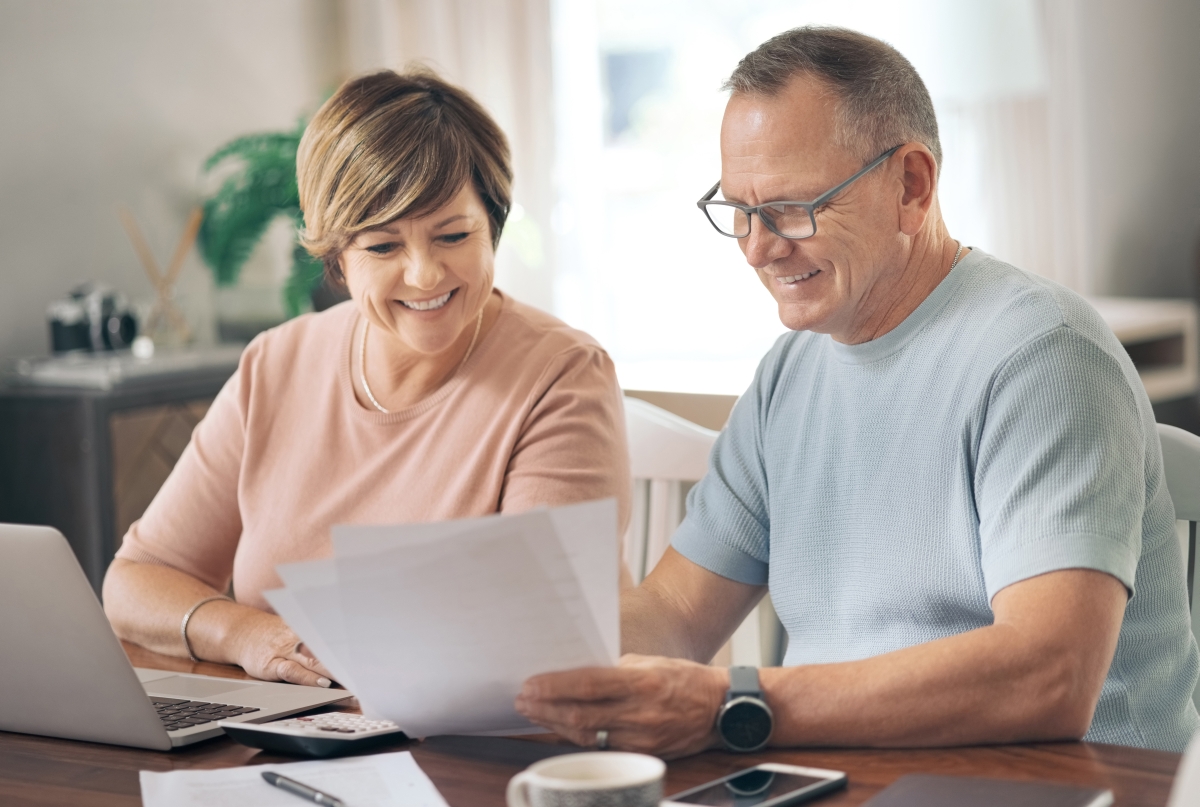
727, 529
1060, 477
194, 523
572, 446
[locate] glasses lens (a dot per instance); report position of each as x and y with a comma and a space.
728, 219
793, 221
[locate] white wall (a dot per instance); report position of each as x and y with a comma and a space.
1141, 108
118, 103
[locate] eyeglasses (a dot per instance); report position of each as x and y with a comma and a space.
793, 220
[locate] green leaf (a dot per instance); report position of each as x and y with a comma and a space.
261, 186
306, 276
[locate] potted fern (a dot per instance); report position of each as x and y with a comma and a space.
257, 186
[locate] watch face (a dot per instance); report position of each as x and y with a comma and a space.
745, 724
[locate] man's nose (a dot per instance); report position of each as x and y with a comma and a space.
762, 246
422, 271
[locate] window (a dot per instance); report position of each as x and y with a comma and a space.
638, 110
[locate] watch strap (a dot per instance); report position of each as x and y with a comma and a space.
743, 682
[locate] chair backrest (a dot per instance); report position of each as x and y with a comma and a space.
667, 455
1186, 790
663, 445
1181, 465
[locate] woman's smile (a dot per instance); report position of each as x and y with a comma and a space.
431, 304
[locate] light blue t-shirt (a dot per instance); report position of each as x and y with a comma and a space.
886, 491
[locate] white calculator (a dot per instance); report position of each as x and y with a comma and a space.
328, 734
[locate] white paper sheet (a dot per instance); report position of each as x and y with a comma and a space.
436, 626
444, 634
589, 537
382, 780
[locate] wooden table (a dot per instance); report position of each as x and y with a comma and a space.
472, 772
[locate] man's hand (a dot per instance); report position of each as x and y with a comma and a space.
650, 704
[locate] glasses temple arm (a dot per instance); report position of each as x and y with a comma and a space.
832, 192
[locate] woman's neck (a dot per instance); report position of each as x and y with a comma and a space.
398, 376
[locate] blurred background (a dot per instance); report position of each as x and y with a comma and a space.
1070, 133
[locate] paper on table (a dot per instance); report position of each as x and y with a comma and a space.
443, 634
383, 780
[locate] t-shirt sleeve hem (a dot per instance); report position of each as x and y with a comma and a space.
705, 550
1074, 551
132, 553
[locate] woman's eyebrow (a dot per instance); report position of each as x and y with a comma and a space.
446, 221
389, 229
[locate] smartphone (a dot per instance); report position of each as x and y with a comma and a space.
767, 785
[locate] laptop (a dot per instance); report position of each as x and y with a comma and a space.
63, 672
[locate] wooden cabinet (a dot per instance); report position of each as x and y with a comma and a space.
88, 459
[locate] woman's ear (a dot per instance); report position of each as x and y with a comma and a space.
920, 184
335, 275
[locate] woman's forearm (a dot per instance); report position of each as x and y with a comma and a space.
146, 604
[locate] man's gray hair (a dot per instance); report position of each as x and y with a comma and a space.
882, 101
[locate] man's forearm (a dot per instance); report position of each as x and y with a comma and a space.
682, 610
649, 629
984, 686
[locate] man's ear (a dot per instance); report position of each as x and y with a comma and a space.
920, 183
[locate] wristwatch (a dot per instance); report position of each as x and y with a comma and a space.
744, 721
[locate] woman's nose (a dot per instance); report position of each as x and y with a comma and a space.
422, 271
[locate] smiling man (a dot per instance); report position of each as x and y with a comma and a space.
947, 474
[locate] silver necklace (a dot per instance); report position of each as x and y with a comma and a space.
362, 359
953, 264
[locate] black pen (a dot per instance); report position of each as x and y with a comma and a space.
302, 790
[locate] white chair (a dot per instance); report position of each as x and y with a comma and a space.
1181, 463
1186, 790
668, 455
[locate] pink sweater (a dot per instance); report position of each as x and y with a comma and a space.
535, 417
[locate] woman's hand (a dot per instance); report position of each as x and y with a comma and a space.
266, 648
145, 602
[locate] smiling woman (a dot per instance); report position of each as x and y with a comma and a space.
429, 395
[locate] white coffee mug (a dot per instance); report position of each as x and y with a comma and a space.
594, 779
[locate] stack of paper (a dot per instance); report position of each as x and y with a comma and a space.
436, 626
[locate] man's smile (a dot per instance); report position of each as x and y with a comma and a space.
792, 279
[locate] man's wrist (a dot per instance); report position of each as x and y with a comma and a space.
718, 689
744, 721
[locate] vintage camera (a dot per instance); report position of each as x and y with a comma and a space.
92, 317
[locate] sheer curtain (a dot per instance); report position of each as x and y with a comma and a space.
1023, 195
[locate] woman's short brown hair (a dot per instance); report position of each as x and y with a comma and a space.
388, 145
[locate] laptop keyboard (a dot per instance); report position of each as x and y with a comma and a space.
176, 713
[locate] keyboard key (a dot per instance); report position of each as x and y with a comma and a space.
157, 701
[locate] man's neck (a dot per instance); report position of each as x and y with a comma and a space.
894, 297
